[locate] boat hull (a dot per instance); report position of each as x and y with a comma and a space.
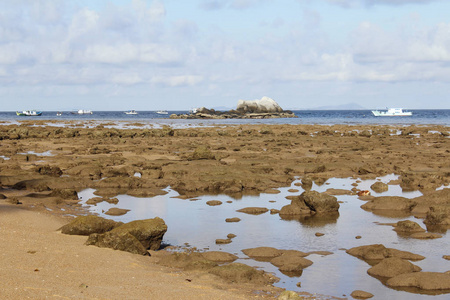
392, 112
29, 113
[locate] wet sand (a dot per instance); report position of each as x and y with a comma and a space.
235, 160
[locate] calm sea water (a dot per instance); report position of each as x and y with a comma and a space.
323, 117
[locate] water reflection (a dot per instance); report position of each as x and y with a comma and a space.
199, 225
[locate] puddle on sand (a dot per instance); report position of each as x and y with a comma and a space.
199, 225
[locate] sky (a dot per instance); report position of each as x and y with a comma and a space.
181, 54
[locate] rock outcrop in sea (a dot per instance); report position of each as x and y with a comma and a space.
264, 108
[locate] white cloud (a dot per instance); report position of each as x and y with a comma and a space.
175, 81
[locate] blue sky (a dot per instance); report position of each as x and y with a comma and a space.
172, 54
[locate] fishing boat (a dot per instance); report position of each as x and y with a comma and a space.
162, 112
392, 112
82, 112
28, 113
131, 112
59, 113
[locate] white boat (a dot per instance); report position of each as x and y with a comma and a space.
29, 113
162, 112
82, 112
59, 113
131, 112
392, 112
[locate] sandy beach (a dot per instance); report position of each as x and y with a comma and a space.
39, 262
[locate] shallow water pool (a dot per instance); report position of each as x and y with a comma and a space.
192, 222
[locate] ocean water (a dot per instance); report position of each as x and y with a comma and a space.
320, 117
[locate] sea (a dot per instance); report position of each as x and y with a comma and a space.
319, 117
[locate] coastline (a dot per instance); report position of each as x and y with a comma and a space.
237, 159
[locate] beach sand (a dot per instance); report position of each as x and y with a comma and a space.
38, 262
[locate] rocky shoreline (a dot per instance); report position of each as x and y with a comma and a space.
43, 166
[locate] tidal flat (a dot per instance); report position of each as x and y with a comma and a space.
173, 173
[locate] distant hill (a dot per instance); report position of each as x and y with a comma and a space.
347, 106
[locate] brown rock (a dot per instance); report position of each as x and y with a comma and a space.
421, 280
358, 294
320, 202
115, 211
219, 256
379, 187
392, 203
393, 266
232, 220
149, 232
86, 225
240, 273
253, 210
123, 241
214, 202
438, 215
425, 235
262, 252
408, 227
378, 252
290, 262
223, 241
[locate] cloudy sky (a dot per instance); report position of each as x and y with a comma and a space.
180, 54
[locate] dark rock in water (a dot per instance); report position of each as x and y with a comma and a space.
438, 215
262, 252
379, 187
115, 211
214, 202
240, 273
86, 225
408, 226
392, 203
223, 241
379, 251
291, 262
421, 280
358, 294
253, 210
232, 220
123, 241
320, 202
425, 235
311, 202
393, 266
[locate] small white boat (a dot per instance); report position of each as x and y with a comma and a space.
131, 112
162, 112
59, 113
28, 113
392, 112
82, 112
